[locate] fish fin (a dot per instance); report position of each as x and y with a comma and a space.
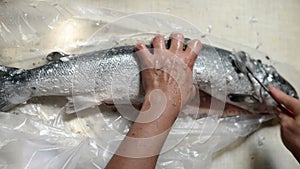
56, 56
79, 103
12, 94
6, 105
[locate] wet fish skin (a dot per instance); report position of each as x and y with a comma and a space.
105, 75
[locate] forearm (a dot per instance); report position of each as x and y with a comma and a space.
168, 83
144, 141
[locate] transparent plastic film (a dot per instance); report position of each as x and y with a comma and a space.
40, 128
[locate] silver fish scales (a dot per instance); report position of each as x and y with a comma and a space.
113, 74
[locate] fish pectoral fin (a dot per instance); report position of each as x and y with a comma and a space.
79, 103
56, 56
6, 105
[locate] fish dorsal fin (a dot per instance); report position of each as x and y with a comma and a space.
56, 56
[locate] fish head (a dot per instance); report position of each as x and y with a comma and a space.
258, 100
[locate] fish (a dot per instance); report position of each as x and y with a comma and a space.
113, 76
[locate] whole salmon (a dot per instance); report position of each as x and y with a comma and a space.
114, 74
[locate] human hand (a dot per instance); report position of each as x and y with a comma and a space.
169, 70
289, 126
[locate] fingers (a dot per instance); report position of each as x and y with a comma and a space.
143, 53
176, 42
177, 39
192, 51
159, 42
290, 102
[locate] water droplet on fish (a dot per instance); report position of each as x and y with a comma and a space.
195, 153
56, 88
230, 78
16, 72
270, 78
241, 75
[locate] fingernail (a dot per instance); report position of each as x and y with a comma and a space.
194, 44
177, 35
139, 46
158, 36
273, 88
198, 43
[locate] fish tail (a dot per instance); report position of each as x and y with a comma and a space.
12, 89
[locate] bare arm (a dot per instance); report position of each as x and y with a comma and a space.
289, 126
168, 84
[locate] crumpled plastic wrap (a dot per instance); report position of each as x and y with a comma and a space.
38, 135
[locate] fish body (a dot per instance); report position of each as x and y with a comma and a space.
114, 75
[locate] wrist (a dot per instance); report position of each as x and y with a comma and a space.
168, 101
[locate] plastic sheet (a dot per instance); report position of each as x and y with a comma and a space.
37, 133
